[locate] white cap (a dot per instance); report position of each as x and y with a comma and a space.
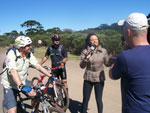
135, 21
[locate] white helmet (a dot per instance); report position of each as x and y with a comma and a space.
22, 41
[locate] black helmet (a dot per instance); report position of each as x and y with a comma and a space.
56, 37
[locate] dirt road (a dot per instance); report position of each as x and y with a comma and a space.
111, 94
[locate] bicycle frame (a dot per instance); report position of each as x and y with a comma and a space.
47, 84
58, 97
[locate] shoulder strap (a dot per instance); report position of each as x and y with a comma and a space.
51, 52
14, 50
59, 49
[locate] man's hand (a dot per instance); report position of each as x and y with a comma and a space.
50, 80
26, 89
62, 65
110, 71
32, 93
112, 60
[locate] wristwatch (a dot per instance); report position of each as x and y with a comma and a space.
20, 87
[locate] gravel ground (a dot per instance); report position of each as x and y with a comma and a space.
111, 94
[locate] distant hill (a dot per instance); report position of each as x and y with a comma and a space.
113, 26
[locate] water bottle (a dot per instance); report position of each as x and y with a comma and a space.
55, 79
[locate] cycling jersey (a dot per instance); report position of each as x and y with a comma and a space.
56, 54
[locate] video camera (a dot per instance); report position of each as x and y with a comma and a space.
112, 60
148, 34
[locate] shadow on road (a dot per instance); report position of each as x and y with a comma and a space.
75, 106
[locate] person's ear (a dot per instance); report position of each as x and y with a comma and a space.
128, 32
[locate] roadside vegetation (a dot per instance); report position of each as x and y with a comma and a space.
74, 41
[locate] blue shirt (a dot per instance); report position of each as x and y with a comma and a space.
133, 67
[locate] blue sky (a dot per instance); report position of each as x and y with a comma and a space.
72, 14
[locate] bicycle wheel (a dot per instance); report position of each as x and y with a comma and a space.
62, 98
35, 81
55, 110
46, 108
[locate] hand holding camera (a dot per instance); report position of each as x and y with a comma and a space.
112, 60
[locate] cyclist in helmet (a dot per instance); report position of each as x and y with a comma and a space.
16, 67
58, 55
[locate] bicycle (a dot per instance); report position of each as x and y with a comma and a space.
43, 100
57, 94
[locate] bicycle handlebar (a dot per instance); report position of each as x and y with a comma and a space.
54, 68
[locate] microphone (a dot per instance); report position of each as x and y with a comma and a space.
93, 47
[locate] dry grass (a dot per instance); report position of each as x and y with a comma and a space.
40, 52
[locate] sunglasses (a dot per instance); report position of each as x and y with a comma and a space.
57, 40
28, 45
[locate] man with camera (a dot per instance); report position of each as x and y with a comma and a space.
132, 65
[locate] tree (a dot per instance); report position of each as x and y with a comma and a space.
55, 30
111, 40
21, 33
33, 27
12, 34
69, 31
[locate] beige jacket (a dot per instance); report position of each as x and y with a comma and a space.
95, 65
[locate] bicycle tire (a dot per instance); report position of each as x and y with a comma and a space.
35, 81
63, 101
49, 109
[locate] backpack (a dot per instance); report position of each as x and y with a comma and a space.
14, 50
59, 49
